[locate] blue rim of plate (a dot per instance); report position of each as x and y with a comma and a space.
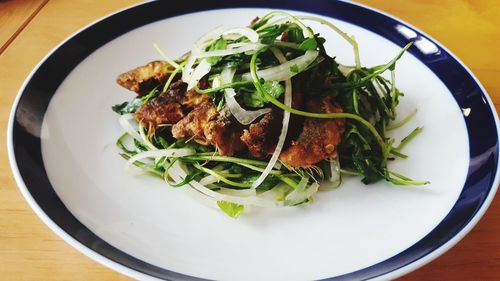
33, 99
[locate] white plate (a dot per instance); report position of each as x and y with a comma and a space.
143, 228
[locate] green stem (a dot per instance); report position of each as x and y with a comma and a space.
221, 178
292, 18
224, 86
260, 88
171, 77
403, 121
409, 137
228, 159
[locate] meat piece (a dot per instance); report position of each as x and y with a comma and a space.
261, 136
157, 113
319, 137
144, 78
193, 125
192, 99
164, 109
224, 133
208, 127
170, 107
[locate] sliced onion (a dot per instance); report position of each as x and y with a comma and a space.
188, 68
178, 173
238, 192
284, 128
208, 180
249, 33
231, 50
209, 37
282, 72
124, 122
227, 74
177, 152
278, 192
243, 116
346, 70
299, 195
201, 70
199, 45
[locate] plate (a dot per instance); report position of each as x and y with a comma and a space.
61, 146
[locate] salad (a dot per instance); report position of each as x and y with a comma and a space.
261, 115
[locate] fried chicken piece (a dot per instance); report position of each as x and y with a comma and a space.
193, 125
261, 136
224, 133
206, 126
319, 137
170, 107
143, 79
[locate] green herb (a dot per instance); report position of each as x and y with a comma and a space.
231, 209
257, 100
219, 44
367, 98
308, 44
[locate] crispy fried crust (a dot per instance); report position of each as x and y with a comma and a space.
224, 133
144, 78
261, 136
193, 125
208, 127
169, 107
319, 138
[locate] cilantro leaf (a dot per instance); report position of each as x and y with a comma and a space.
256, 100
231, 209
308, 44
219, 44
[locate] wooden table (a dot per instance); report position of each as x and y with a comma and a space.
29, 29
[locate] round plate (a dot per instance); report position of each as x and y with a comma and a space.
61, 146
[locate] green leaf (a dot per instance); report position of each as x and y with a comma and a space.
294, 68
127, 107
219, 44
187, 179
269, 34
231, 209
256, 100
308, 44
152, 94
295, 34
132, 106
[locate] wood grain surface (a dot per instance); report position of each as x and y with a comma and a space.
30, 251
14, 16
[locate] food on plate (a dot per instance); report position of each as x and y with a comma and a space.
262, 115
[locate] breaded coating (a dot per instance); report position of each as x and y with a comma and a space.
261, 136
224, 133
170, 107
193, 125
145, 78
319, 137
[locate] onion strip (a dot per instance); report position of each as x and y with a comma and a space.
178, 173
231, 50
177, 152
284, 129
124, 122
243, 116
201, 70
283, 72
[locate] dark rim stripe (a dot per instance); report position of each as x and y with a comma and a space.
39, 90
